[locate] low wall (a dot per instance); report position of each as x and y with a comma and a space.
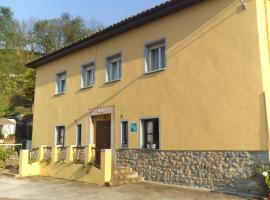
59, 162
71, 171
230, 171
28, 169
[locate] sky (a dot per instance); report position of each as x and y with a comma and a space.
105, 11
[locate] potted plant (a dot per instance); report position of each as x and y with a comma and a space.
266, 175
264, 172
151, 146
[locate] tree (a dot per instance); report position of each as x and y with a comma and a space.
10, 35
23, 41
55, 33
15, 79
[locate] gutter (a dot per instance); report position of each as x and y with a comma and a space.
128, 24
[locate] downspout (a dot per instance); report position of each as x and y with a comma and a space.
267, 15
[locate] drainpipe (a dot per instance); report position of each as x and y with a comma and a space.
267, 21
267, 14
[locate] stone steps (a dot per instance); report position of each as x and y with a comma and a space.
121, 170
124, 175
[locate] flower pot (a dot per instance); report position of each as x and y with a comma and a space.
268, 195
151, 146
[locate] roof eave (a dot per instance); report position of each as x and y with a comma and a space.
133, 22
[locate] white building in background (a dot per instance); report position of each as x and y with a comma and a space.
7, 126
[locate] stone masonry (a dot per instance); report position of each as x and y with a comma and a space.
230, 171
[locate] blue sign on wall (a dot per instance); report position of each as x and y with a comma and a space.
133, 127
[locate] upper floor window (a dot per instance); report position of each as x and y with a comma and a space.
88, 75
155, 56
113, 68
61, 82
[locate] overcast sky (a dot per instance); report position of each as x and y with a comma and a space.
105, 11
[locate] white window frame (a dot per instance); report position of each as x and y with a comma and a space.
109, 60
157, 44
58, 82
84, 69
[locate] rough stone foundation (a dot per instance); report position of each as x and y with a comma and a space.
230, 171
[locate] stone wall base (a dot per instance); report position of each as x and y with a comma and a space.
230, 171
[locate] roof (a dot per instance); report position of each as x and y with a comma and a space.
5, 121
132, 22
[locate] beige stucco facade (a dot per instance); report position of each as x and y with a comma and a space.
209, 97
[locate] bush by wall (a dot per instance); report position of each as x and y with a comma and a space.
4, 154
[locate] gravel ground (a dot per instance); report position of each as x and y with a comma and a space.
43, 188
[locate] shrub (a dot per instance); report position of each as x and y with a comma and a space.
87, 167
47, 161
4, 154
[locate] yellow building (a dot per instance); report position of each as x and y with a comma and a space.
179, 92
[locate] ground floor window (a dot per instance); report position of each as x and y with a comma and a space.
79, 135
124, 134
150, 133
60, 135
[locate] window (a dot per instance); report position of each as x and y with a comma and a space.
155, 56
124, 134
79, 135
150, 133
60, 135
61, 82
113, 68
88, 75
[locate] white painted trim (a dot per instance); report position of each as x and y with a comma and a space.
114, 57
56, 82
146, 51
92, 65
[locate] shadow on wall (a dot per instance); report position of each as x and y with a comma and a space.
201, 23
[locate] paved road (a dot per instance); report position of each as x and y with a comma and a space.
54, 189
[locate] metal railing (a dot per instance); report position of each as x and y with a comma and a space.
47, 153
79, 154
33, 155
62, 153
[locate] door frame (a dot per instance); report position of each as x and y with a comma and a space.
121, 136
76, 135
101, 111
141, 138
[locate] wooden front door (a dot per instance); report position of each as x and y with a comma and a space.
103, 138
